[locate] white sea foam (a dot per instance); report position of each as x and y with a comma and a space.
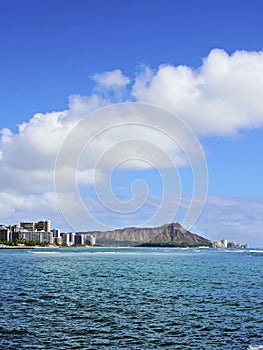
43, 252
255, 347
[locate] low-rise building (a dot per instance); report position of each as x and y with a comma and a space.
223, 243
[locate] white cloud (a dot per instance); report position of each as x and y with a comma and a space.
221, 97
112, 79
81, 106
6, 135
15, 207
28, 159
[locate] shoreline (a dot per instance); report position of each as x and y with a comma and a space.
14, 247
108, 246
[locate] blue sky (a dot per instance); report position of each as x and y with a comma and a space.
53, 57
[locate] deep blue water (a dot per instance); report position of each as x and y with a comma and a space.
129, 298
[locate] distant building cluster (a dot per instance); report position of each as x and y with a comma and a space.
27, 231
223, 243
69, 239
41, 232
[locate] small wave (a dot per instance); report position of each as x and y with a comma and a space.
42, 252
255, 347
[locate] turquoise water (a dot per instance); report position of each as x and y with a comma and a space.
129, 298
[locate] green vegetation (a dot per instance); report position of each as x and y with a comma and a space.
24, 242
7, 243
175, 244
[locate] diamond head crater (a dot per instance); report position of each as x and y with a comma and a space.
168, 235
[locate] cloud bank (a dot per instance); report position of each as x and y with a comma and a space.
221, 97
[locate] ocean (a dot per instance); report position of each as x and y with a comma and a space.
131, 298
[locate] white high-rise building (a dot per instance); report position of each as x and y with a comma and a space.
224, 243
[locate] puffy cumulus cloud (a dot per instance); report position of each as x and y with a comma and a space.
112, 79
31, 206
28, 156
28, 159
33, 147
81, 106
43, 133
221, 97
109, 137
6, 136
112, 86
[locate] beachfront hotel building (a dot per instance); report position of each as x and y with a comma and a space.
30, 231
27, 231
39, 226
72, 238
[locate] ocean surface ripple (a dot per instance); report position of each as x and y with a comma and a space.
130, 298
